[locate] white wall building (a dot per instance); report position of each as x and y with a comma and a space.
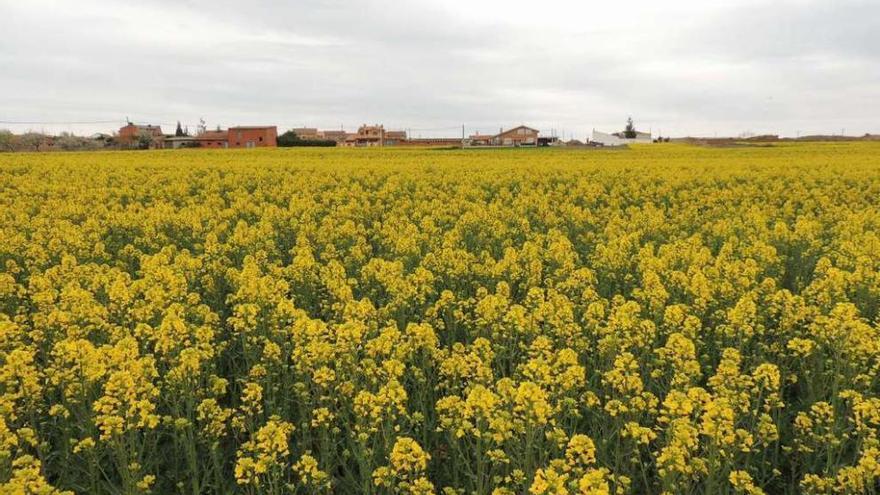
617, 139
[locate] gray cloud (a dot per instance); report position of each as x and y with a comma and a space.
687, 67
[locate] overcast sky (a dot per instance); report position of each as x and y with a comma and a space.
678, 67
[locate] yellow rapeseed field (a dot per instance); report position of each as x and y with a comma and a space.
664, 319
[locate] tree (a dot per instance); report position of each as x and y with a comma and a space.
144, 140
70, 142
179, 132
290, 138
31, 141
630, 131
7, 140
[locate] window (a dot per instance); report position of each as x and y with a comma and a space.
261, 139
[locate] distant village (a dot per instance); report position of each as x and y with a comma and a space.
144, 136
134, 136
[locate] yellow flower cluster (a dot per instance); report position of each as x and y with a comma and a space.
658, 320
264, 453
405, 472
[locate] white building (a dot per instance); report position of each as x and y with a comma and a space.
618, 139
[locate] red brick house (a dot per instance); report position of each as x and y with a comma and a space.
130, 134
252, 137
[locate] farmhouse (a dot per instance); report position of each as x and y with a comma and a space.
306, 133
214, 139
130, 134
234, 137
518, 136
207, 139
253, 137
366, 136
338, 136
393, 138
374, 135
479, 140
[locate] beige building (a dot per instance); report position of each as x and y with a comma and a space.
338, 136
518, 136
374, 135
307, 133
393, 138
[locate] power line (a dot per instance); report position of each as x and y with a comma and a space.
456, 127
91, 122
34, 122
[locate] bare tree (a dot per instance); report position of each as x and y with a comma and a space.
31, 141
70, 142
